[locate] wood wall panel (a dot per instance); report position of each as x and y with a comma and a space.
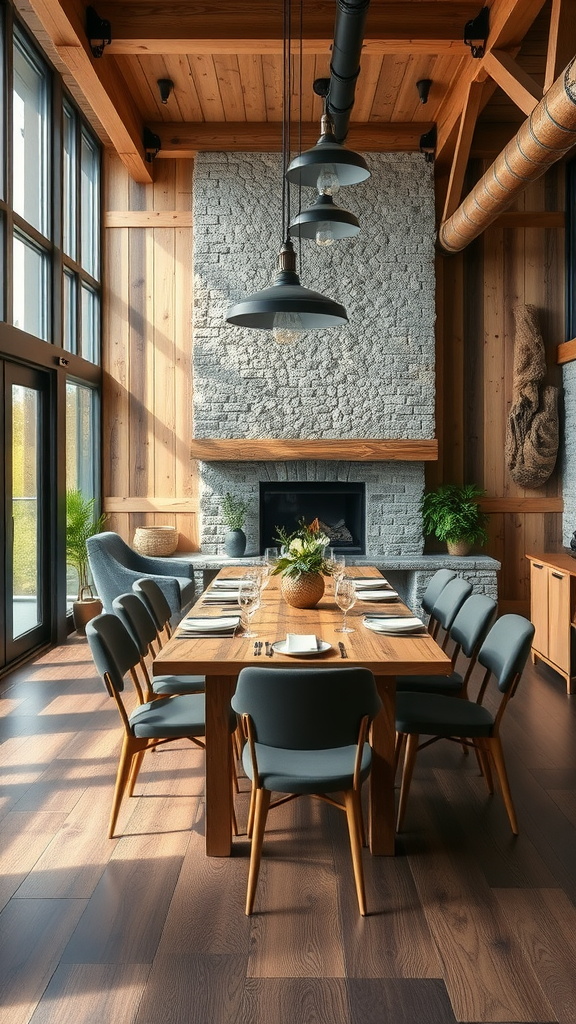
511, 263
147, 354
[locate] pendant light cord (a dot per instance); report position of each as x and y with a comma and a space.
301, 33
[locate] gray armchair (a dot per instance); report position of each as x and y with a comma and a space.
115, 567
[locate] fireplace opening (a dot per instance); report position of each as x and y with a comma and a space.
340, 507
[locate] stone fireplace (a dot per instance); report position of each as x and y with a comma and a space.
373, 379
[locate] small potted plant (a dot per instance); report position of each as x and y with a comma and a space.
302, 564
452, 513
81, 524
234, 515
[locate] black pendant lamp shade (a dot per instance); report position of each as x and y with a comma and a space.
350, 168
324, 214
287, 296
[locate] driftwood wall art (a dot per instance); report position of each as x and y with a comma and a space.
532, 431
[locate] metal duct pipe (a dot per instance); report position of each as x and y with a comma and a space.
345, 65
545, 136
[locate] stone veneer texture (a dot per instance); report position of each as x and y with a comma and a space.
373, 378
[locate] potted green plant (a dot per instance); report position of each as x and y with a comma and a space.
81, 524
452, 513
234, 515
302, 564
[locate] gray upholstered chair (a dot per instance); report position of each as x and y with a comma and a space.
115, 567
432, 593
306, 732
159, 721
153, 597
448, 604
142, 628
503, 655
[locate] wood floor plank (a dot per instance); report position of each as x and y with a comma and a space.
482, 959
565, 799
124, 917
33, 934
545, 922
295, 929
199, 990
403, 1002
286, 1000
394, 940
23, 839
89, 993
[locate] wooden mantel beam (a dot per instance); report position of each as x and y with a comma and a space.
98, 80
353, 450
179, 140
255, 26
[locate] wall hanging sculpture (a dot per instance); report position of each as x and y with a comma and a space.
532, 432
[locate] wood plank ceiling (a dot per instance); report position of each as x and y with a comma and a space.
225, 62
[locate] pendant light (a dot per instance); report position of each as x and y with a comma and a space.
286, 308
328, 166
324, 221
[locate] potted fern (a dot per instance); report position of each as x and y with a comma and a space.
234, 515
452, 513
81, 524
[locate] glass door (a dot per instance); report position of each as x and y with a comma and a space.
27, 523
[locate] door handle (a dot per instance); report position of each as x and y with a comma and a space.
558, 576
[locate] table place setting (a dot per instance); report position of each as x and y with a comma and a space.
227, 583
300, 645
396, 625
375, 595
198, 626
370, 582
220, 596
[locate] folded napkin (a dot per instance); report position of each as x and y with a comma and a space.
301, 642
393, 624
376, 595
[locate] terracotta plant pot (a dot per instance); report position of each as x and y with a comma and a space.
458, 547
302, 591
83, 611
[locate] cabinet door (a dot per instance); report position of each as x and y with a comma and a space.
559, 619
539, 605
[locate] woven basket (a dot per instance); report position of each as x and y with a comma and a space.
155, 540
302, 591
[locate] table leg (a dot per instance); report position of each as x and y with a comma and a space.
381, 816
219, 690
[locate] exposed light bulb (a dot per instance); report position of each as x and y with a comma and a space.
324, 234
328, 183
286, 328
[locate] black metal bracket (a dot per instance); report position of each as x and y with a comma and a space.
423, 86
428, 144
99, 32
476, 32
152, 144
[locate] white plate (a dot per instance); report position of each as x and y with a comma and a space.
396, 627
367, 582
280, 648
377, 595
197, 624
219, 596
227, 584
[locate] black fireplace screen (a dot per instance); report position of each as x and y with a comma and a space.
340, 508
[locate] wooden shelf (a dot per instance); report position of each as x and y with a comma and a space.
271, 450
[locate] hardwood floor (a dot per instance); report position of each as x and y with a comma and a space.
467, 923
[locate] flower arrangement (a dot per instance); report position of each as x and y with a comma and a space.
302, 551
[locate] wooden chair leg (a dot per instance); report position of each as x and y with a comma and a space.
399, 745
134, 771
495, 748
409, 762
250, 825
130, 747
354, 828
261, 812
483, 755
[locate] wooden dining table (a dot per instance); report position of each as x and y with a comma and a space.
220, 659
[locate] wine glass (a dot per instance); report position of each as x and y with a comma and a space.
249, 601
345, 595
271, 555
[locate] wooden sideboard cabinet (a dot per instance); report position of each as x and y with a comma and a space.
553, 612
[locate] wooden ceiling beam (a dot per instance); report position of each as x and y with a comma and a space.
177, 27
516, 83
179, 141
462, 152
98, 81
561, 41
509, 22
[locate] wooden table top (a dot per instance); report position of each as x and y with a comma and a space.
383, 655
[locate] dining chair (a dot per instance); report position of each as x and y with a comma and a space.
503, 656
306, 732
150, 723
153, 597
447, 605
432, 593
468, 631
142, 628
